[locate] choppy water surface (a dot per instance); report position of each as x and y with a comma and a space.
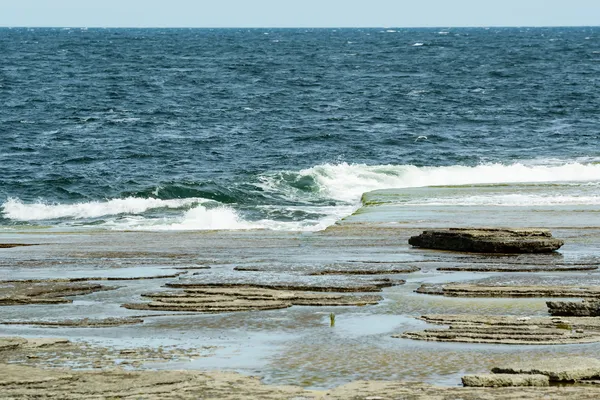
285, 129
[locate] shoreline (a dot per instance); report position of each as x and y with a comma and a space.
292, 345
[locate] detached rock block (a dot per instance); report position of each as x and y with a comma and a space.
564, 369
585, 308
504, 380
488, 240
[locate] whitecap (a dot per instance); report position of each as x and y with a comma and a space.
16, 210
417, 92
347, 182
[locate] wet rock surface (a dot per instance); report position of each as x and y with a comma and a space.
488, 240
475, 290
562, 369
93, 278
80, 323
214, 298
239, 270
365, 269
10, 343
313, 286
508, 330
586, 308
505, 380
518, 268
44, 292
342, 268
11, 245
26, 382
59, 352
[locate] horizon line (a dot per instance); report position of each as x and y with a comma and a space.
294, 27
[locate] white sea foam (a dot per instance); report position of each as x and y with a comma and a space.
340, 183
347, 182
19, 211
226, 218
197, 218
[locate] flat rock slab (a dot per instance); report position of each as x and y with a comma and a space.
508, 330
57, 353
214, 299
340, 268
13, 343
366, 269
312, 286
585, 308
11, 245
500, 321
563, 369
488, 240
10, 343
44, 292
474, 290
19, 376
28, 382
44, 342
93, 278
79, 323
505, 380
518, 268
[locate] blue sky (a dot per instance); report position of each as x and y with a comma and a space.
298, 13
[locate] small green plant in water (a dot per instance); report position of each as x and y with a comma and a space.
332, 320
562, 325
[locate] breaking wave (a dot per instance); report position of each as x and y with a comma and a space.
313, 198
16, 210
347, 182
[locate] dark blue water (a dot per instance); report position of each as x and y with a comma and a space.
279, 125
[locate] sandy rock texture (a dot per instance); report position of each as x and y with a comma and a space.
58, 352
11, 245
562, 369
79, 323
488, 240
585, 308
508, 330
476, 290
21, 382
518, 268
357, 286
44, 292
339, 268
505, 380
211, 298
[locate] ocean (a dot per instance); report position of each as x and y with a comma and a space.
287, 129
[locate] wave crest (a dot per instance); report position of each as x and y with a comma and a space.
16, 210
347, 182
325, 193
